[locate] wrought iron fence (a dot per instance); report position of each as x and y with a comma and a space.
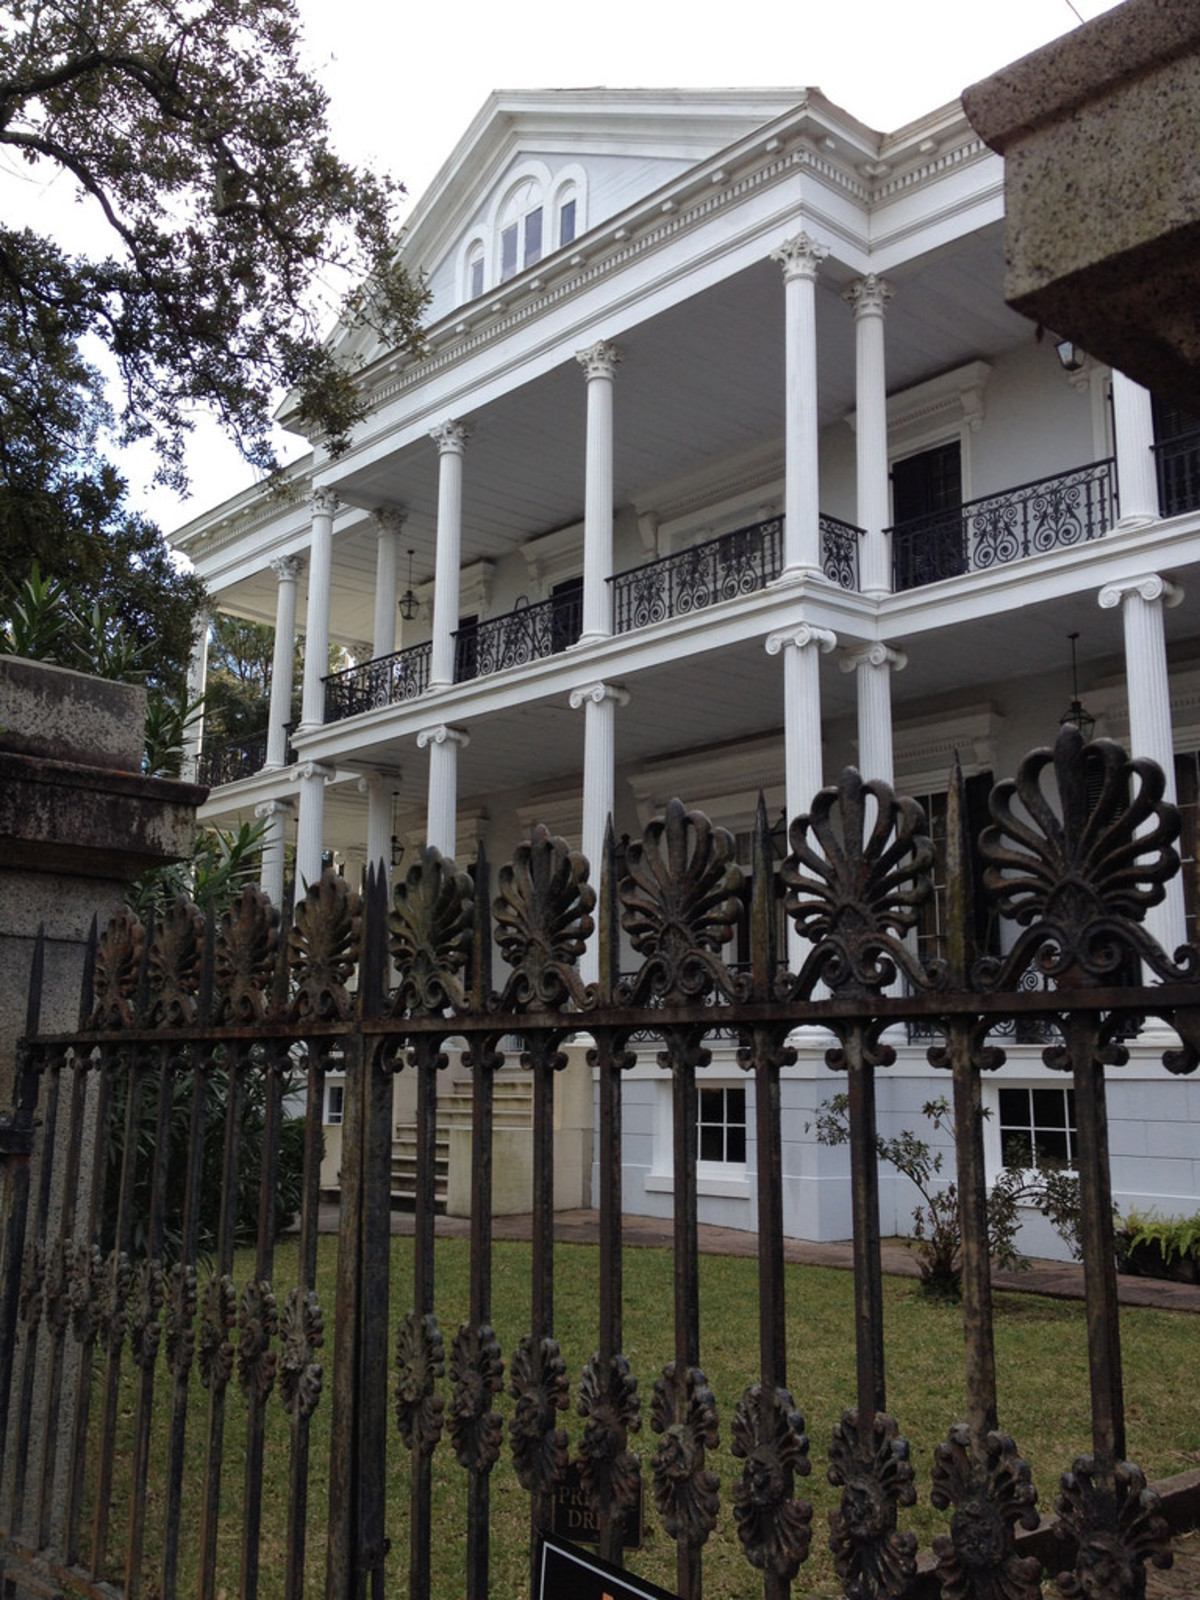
1178, 464
1069, 509
386, 681
233, 759
112, 1313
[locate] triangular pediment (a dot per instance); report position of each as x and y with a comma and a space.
540, 150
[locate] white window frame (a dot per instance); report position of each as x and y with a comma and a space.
330, 1118
993, 1142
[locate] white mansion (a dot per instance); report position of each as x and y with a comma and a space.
725, 466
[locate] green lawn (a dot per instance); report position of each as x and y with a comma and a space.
1042, 1360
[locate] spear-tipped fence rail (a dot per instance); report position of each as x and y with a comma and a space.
103, 1284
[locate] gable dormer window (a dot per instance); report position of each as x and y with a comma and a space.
566, 216
521, 230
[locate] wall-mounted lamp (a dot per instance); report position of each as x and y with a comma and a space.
1075, 713
1070, 355
408, 600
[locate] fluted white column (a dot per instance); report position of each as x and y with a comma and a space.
310, 822
287, 570
599, 363
443, 744
1133, 430
1142, 601
451, 440
275, 814
869, 297
377, 787
801, 258
599, 702
388, 523
316, 627
874, 665
197, 682
801, 649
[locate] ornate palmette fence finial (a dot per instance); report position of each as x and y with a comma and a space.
856, 896
1079, 876
543, 919
681, 903
323, 948
431, 925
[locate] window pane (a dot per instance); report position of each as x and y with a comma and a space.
735, 1106
566, 222
1049, 1108
508, 253
712, 1142
735, 1144
533, 237
476, 277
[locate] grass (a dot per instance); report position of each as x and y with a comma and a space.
1043, 1379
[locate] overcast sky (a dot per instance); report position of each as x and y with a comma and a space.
404, 82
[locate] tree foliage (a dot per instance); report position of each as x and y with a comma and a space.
202, 144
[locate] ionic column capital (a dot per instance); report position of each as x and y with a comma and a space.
451, 437
443, 734
800, 638
323, 502
389, 519
274, 808
873, 655
868, 296
597, 694
288, 568
306, 770
800, 257
1149, 586
599, 360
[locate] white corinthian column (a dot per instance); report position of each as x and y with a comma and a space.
1142, 601
388, 523
287, 570
443, 744
869, 297
599, 362
599, 702
800, 258
451, 440
316, 629
274, 814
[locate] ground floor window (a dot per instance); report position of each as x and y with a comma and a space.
335, 1101
1037, 1128
721, 1129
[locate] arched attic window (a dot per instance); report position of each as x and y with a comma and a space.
520, 227
474, 270
566, 207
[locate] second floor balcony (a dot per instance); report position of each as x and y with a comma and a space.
1048, 514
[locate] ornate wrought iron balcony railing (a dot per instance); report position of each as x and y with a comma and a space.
737, 563
1049, 514
1178, 463
527, 633
386, 681
233, 759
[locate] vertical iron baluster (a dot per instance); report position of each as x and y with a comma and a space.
375, 1247
1096, 1237
258, 1318
97, 1108
33, 1274
305, 1378
864, 1184
116, 1308
180, 1334
343, 1544
425, 1354
221, 1315
17, 1159
475, 1427
145, 1340
768, 1432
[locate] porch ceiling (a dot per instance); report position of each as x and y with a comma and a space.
700, 383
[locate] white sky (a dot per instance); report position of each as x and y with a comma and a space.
404, 82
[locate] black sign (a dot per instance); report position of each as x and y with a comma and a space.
574, 1519
565, 1573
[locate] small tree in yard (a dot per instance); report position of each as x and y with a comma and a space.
936, 1235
